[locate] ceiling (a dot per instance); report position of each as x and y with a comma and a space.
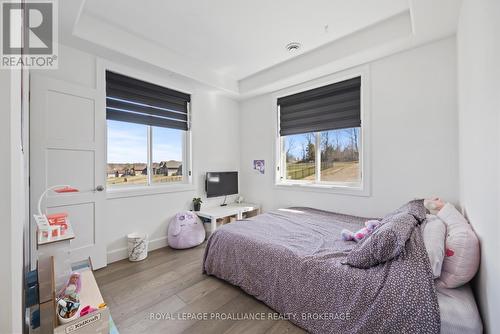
240, 38
233, 45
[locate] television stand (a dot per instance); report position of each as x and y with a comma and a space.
228, 213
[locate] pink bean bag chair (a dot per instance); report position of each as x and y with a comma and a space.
185, 231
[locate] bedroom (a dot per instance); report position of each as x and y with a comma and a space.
411, 95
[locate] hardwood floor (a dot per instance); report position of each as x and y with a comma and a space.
169, 283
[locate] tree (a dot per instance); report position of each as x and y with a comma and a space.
325, 140
311, 152
338, 145
304, 151
310, 147
290, 146
327, 148
354, 144
355, 133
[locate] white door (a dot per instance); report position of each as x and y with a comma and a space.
67, 133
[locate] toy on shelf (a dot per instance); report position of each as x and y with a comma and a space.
86, 310
57, 218
44, 230
73, 287
55, 225
68, 300
59, 221
67, 310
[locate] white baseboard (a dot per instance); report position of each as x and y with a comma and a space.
122, 253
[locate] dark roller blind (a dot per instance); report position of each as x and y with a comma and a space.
136, 101
335, 106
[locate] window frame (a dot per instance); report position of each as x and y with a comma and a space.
364, 187
151, 188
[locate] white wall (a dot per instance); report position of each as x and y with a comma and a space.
479, 107
215, 147
413, 137
11, 203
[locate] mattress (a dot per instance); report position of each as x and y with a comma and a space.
459, 313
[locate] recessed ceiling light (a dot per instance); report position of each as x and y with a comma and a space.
293, 46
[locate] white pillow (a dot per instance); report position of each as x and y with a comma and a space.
462, 254
434, 233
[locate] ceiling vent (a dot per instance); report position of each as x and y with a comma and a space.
293, 47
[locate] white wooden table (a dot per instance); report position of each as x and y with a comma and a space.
233, 209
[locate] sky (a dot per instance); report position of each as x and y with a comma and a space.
127, 143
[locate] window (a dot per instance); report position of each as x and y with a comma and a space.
148, 129
127, 153
320, 136
167, 155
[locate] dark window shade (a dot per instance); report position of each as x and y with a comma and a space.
135, 101
336, 106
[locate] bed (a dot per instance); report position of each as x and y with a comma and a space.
294, 261
459, 313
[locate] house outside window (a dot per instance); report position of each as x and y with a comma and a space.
148, 133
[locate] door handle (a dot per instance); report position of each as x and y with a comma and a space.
99, 188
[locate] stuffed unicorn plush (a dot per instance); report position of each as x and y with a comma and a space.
370, 226
185, 231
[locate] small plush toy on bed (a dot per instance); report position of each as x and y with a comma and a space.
434, 204
370, 226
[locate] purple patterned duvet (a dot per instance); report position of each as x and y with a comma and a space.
291, 259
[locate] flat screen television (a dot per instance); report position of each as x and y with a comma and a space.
221, 183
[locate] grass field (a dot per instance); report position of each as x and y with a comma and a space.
292, 167
142, 179
347, 171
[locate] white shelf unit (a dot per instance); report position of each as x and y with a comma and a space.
228, 213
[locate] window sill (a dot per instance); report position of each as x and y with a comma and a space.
133, 191
324, 188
